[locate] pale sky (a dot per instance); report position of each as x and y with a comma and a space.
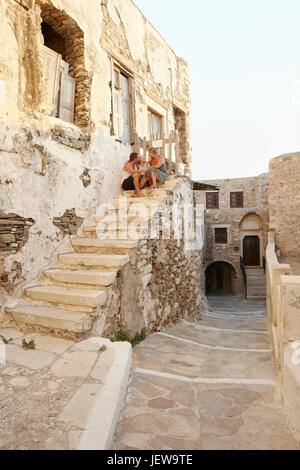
244, 58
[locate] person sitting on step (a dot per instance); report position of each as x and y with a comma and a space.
135, 172
157, 172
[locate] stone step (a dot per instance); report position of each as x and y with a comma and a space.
68, 296
132, 235
95, 245
83, 277
256, 282
256, 297
91, 259
51, 317
147, 202
256, 290
121, 219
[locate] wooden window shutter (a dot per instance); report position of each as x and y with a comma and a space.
67, 95
237, 199
116, 112
212, 200
51, 72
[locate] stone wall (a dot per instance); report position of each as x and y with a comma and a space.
283, 308
255, 202
284, 203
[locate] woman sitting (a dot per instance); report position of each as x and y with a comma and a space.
158, 170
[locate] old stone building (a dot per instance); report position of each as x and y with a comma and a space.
80, 88
284, 204
236, 226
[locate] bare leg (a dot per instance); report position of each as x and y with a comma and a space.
137, 185
154, 180
143, 181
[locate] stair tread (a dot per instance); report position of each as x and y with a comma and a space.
51, 318
91, 272
47, 311
82, 276
104, 243
67, 290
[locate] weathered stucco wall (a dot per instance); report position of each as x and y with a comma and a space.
111, 28
255, 202
40, 180
49, 166
284, 203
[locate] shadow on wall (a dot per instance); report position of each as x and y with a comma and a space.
221, 278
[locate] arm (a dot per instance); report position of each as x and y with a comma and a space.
129, 169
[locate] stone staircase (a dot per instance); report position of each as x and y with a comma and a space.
256, 283
70, 294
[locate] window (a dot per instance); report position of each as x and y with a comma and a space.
181, 126
221, 236
212, 200
121, 105
236, 199
155, 124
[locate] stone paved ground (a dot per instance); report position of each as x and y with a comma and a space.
207, 386
46, 394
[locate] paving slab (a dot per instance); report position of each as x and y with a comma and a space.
46, 343
32, 359
76, 364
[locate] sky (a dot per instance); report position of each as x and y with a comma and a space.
244, 59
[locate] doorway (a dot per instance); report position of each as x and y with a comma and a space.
251, 250
220, 279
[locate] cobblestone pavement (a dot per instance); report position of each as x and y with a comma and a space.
208, 386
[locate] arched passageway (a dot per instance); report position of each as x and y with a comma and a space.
221, 279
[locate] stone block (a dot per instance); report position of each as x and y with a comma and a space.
7, 238
77, 411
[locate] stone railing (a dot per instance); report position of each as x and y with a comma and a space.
283, 308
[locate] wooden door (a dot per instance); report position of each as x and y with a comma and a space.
252, 251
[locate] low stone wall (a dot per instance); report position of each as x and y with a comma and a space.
283, 307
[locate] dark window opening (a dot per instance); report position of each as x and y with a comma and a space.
237, 200
67, 82
221, 236
53, 40
59, 85
212, 200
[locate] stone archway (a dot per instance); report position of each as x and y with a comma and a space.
251, 240
221, 278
